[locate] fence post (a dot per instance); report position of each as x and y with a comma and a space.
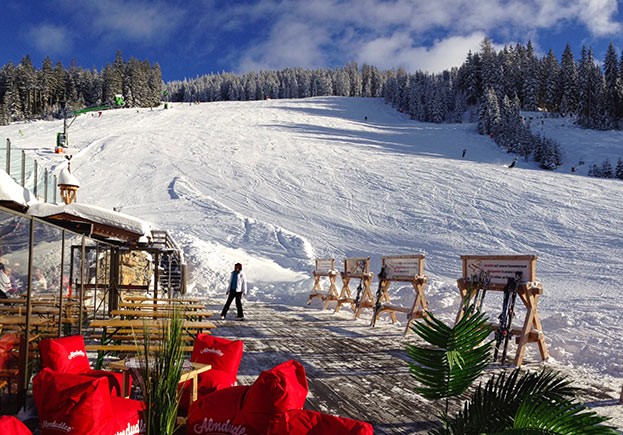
8, 156
45, 185
23, 168
36, 173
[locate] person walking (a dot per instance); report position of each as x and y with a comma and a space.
237, 287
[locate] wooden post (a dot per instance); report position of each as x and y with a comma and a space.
354, 268
498, 268
401, 268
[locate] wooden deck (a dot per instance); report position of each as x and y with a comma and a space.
353, 370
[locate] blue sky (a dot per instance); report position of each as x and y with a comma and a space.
189, 38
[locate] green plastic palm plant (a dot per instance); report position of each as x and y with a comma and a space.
515, 402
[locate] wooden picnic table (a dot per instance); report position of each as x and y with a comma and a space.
114, 337
42, 299
188, 325
40, 311
154, 314
162, 306
140, 299
13, 321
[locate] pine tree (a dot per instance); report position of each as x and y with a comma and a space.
606, 169
529, 71
489, 116
568, 82
612, 103
618, 173
549, 93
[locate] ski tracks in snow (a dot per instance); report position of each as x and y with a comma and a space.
238, 231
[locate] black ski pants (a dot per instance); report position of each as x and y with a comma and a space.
230, 297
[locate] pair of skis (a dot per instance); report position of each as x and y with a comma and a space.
379, 293
481, 283
503, 332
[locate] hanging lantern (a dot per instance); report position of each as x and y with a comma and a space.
68, 183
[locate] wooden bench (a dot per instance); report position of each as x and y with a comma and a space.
148, 306
155, 314
130, 348
139, 336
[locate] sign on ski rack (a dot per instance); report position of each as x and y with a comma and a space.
355, 268
515, 275
401, 268
325, 267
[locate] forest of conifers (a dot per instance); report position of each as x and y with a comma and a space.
495, 86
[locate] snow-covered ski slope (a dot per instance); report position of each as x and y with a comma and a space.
274, 184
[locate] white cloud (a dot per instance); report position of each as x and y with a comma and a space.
598, 15
291, 44
399, 51
426, 35
50, 39
146, 21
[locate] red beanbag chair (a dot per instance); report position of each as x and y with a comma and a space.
282, 388
66, 355
223, 355
250, 410
274, 392
8, 358
69, 355
217, 412
77, 404
305, 422
13, 426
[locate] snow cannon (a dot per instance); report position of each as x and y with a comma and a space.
61, 142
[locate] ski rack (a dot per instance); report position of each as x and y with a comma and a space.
401, 268
355, 268
500, 268
325, 267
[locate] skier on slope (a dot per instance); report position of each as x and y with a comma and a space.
512, 165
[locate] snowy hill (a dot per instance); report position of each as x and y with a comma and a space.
274, 184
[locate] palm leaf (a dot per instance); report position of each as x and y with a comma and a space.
562, 419
454, 358
504, 402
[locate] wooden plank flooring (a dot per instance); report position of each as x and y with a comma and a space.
353, 370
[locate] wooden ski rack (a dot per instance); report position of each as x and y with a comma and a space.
354, 268
325, 267
499, 268
401, 268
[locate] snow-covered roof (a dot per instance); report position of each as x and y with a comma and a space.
10, 191
95, 214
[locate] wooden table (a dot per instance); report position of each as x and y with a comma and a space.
187, 376
17, 320
166, 314
127, 342
188, 325
131, 298
164, 306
